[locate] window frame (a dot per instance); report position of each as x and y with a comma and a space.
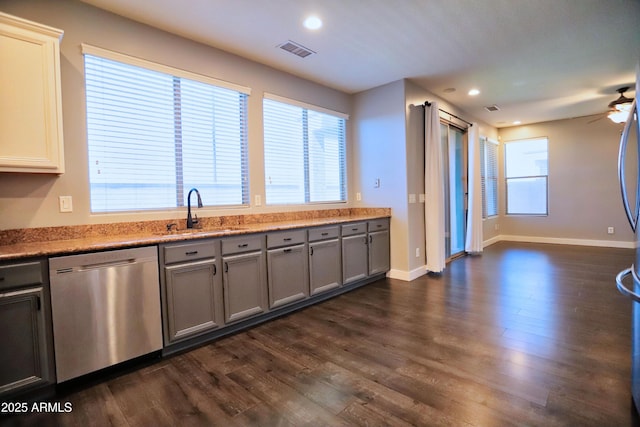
525, 177
306, 159
493, 177
179, 75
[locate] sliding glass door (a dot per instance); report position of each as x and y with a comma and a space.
455, 179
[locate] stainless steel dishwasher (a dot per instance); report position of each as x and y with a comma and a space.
105, 309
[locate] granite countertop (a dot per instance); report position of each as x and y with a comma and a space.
115, 236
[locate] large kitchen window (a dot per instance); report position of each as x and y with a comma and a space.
489, 176
526, 173
304, 153
154, 132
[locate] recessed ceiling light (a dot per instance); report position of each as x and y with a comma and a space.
312, 22
474, 92
517, 122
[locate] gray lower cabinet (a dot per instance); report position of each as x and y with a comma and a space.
288, 275
287, 267
26, 349
325, 263
192, 290
244, 277
354, 252
379, 246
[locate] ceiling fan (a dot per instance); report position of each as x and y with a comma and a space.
619, 108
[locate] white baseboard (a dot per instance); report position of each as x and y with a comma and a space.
491, 241
408, 276
565, 241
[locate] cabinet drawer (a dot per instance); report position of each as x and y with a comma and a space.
242, 244
354, 228
378, 224
24, 274
324, 233
189, 251
285, 238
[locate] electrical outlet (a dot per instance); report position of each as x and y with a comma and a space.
417, 252
376, 183
496, 227
358, 196
66, 203
611, 230
412, 198
258, 200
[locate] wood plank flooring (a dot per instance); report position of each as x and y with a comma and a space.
525, 334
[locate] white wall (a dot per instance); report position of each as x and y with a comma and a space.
584, 195
389, 144
28, 200
379, 152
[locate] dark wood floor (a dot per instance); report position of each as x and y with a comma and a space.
525, 334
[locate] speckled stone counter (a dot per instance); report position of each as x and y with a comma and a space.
49, 241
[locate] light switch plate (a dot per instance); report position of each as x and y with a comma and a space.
66, 204
412, 198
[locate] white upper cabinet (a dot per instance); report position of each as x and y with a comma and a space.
30, 100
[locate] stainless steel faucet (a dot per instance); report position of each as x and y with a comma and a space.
191, 222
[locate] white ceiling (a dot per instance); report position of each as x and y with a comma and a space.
537, 60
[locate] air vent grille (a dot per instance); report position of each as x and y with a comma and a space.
492, 108
296, 49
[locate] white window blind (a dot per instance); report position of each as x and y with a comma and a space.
304, 154
153, 135
526, 170
489, 177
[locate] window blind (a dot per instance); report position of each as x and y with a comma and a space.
526, 174
152, 136
304, 154
489, 177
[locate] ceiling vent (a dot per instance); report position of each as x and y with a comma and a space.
492, 108
296, 49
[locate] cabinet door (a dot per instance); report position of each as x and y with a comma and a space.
31, 119
288, 275
23, 353
193, 299
354, 258
324, 266
244, 286
378, 252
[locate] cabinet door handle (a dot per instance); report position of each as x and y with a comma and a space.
311, 251
191, 253
370, 238
39, 303
287, 239
324, 234
226, 267
215, 270
286, 251
355, 229
243, 245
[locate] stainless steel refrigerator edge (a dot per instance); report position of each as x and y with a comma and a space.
105, 309
630, 145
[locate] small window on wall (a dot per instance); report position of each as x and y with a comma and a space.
489, 176
526, 174
304, 153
